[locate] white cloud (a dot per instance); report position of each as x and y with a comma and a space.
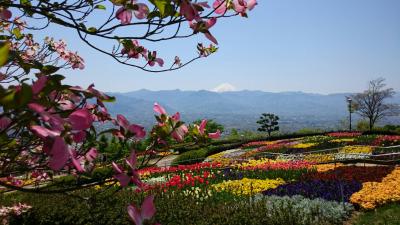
224, 88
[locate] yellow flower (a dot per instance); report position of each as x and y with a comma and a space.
326, 167
342, 140
247, 186
356, 149
374, 194
319, 157
304, 145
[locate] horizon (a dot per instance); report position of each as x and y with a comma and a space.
241, 90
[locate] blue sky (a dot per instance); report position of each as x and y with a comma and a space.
320, 46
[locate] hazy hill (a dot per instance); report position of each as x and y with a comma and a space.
239, 109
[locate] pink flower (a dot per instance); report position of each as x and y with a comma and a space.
43, 132
177, 61
134, 51
179, 133
137, 130
125, 15
122, 177
4, 123
133, 128
146, 212
220, 6
142, 11
241, 6
159, 109
202, 126
76, 162
76, 61
203, 27
122, 121
81, 119
176, 116
132, 160
152, 59
188, 10
38, 85
215, 135
91, 154
59, 154
79, 137
5, 14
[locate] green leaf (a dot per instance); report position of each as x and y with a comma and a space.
153, 15
4, 50
161, 5
102, 7
110, 99
7, 99
92, 29
49, 69
17, 33
4, 37
23, 96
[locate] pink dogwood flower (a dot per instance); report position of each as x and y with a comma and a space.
123, 178
5, 14
81, 119
39, 84
133, 128
125, 14
220, 6
152, 59
159, 109
215, 135
4, 123
135, 51
203, 27
241, 6
202, 126
146, 212
179, 133
59, 154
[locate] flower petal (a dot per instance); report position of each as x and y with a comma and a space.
148, 208
81, 119
135, 215
159, 109
59, 154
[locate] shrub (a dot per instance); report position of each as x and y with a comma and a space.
306, 211
105, 208
191, 157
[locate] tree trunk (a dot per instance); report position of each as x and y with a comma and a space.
371, 124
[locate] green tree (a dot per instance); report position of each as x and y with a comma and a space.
269, 123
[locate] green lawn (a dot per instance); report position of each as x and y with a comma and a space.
388, 215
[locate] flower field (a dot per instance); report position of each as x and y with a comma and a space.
294, 181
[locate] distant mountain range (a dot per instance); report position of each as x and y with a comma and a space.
238, 109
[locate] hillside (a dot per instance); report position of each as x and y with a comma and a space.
239, 109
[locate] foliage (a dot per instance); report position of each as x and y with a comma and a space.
191, 157
268, 123
260, 210
362, 125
